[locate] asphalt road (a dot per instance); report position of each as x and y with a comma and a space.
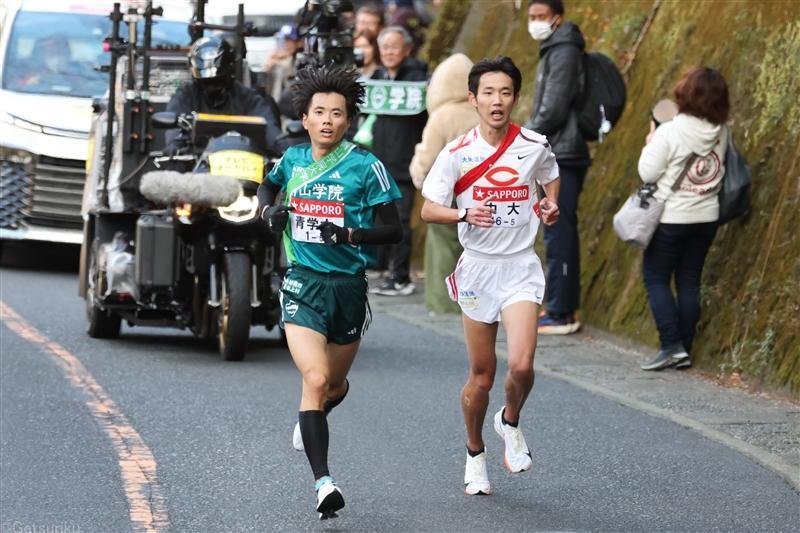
213, 439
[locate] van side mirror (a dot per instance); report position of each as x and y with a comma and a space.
164, 120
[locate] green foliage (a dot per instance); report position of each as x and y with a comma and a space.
443, 32
779, 79
751, 282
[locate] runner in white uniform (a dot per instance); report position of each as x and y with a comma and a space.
499, 277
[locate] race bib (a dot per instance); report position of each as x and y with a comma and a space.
510, 204
309, 214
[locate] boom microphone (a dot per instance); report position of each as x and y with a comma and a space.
207, 190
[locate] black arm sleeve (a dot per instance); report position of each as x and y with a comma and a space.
267, 192
389, 231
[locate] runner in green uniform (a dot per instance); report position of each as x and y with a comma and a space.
338, 204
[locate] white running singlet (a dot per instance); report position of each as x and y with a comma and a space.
510, 181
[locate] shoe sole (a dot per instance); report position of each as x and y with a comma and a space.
663, 366
566, 329
330, 504
681, 362
482, 492
380, 292
506, 464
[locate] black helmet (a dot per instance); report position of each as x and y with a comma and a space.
212, 63
211, 58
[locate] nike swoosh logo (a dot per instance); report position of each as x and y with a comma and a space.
522, 156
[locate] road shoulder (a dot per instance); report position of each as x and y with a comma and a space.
765, 430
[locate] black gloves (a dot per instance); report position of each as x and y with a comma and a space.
277, 216
333, 234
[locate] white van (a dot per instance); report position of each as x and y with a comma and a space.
48, 54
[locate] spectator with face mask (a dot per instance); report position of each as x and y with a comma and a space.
558, 78
213, 89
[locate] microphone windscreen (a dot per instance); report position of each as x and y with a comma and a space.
207, 190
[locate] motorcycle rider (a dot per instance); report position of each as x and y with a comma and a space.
213, 89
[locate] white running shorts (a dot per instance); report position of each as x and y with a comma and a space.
484, 285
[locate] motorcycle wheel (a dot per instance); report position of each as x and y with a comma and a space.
234, 314
101, 324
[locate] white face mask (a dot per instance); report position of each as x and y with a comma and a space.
540, 29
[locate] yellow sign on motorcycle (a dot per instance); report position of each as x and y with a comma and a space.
237, 164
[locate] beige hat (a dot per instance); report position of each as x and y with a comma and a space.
664, 111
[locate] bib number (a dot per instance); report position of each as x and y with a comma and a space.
510, 204
309, 214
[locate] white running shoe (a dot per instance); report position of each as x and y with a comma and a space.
329, 498
517, 454
297, 438
476, 479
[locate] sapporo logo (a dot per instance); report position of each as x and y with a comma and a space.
502, 178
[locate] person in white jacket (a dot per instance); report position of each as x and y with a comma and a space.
689, 222
450, 115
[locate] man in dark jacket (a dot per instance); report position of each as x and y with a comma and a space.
394, 140
559, 81
214, 90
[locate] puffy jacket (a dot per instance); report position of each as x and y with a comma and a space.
394, 137
559, 78
449, 114
241, 101
663, 160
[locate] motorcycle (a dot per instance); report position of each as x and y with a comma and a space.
201, 257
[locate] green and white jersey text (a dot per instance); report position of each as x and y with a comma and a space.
343, 187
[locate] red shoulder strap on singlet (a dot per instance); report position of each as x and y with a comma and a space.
466, 181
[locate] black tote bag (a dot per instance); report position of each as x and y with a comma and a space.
734, 195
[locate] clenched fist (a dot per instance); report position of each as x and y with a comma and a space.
277, 216
333, 234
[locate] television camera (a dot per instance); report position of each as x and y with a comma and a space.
328, 37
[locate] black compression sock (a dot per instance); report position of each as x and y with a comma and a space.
475, 454
314, 429
506, 422
330, 404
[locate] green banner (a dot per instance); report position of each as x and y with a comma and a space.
386, 97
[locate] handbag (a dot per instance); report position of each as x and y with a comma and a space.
638, 218
734, 194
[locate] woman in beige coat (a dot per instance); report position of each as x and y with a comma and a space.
449, 115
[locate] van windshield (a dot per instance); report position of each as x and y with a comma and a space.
55, 53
